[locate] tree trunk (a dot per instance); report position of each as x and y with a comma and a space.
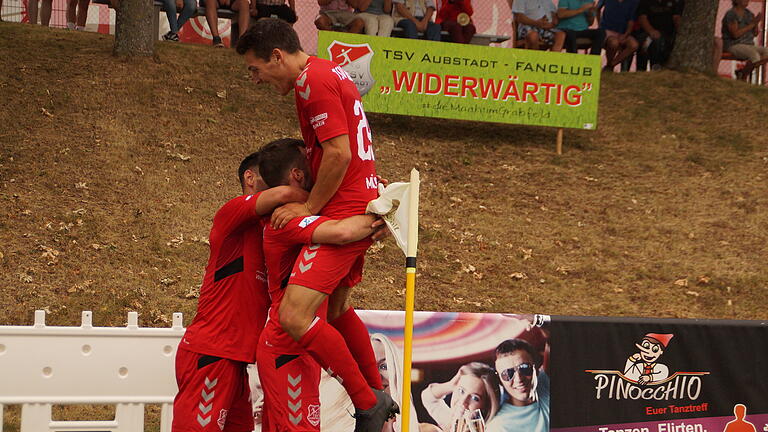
133, 28
694, 44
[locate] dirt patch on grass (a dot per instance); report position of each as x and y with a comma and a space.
111, 170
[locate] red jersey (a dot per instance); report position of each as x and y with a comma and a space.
450, 10
329, 106
282, 248
233, 303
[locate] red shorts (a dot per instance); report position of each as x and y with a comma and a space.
291, 384
324, 267
213, 394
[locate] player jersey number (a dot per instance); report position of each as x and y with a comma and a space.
364, 150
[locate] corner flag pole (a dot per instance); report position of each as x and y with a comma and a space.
410, 285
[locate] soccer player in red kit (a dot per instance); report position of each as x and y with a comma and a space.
341, 159
290, 377
232, 309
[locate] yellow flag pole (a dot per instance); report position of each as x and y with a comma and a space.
410, 286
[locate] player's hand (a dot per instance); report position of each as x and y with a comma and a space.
655, 34
283, 214
382, 180
380, 230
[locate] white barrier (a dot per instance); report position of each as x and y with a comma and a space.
42, 366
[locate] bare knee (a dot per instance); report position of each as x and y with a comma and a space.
612, 43
293, 321
532, 40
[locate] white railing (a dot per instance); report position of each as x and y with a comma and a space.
42, 366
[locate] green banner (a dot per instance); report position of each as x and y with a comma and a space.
468, 82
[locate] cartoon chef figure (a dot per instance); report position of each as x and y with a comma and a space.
642, 366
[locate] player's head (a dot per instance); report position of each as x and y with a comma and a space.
517, 364
248, 174
284, 162
270, 47
476, 389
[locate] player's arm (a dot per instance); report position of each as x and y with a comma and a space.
333, 167
347, 230
271, 198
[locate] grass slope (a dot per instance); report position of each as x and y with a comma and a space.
111, 170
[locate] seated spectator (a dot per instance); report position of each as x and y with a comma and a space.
740, 26
455, 17
338, 13
176, 23
617, 19
275, 9
377, 16
242, 7
415, 16
575, 18
536, 21
77, 14
659, 21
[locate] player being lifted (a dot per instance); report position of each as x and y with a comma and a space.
341, 160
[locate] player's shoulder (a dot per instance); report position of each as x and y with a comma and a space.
320, 70
236, 205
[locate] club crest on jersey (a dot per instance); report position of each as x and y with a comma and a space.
355, 59
313, 414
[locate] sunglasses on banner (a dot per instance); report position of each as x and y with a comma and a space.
525, 370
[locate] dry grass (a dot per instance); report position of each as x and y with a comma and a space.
111, 170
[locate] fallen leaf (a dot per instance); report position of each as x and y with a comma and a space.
46, 112
693, 293
682, 282
618, 290
518, 276
222, 94
704, 280
527, 253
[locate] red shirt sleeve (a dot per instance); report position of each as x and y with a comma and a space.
323, 106
298, 231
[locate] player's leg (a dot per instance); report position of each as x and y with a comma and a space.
213, 395
344, 319
323, 267
323, 342
291, 386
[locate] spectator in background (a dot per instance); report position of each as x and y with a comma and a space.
659, 21
740, 26
77, 14
176, 22
415, 16
45, 11
338, 13
536, 21
275, 8
576, 16
617, 19
242, 7
455, 17
377, 16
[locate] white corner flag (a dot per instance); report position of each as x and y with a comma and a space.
392, 205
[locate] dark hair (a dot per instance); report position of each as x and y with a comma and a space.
251, 162
266, 35
511, 345
278, 157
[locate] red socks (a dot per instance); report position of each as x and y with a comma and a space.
326, 345
359, 343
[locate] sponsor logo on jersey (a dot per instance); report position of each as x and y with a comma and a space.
355, 60
318, 120
307, 221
